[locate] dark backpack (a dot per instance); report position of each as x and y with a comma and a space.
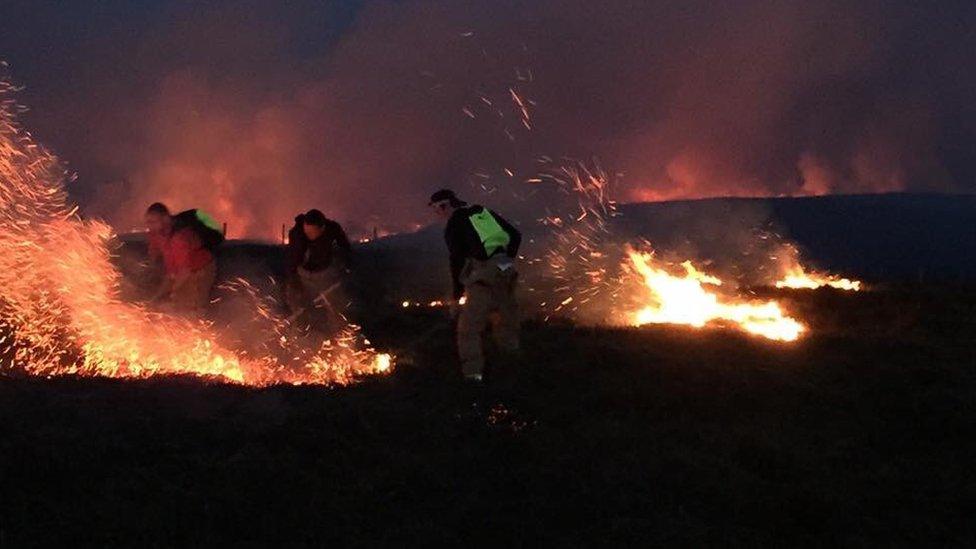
202, 224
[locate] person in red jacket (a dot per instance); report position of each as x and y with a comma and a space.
189, 267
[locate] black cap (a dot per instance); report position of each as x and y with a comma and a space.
315, 217
158, 208
441, 195
445, 194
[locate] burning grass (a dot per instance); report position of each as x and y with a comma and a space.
691, 299
605, 279
798, 279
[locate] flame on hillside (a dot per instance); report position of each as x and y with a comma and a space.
692, 298
797, 278
794, 276
602, 278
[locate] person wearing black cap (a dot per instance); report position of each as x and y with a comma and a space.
483, 247
318, 252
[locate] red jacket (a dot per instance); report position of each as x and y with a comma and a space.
182, 251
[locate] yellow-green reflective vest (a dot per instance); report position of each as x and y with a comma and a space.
493, 236
207, 220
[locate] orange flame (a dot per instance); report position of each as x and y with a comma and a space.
793, 275
797, 278
60, 310
685, 300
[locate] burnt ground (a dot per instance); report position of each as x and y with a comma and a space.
859, 434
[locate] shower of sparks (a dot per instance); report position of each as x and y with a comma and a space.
61, 312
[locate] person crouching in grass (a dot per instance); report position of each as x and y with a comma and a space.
189, 267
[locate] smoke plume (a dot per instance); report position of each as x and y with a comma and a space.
259, 111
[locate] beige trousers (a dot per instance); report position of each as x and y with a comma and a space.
490, 293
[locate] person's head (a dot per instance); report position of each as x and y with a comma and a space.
313, 223
158, 218
444, 202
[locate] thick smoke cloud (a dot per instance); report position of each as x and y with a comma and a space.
258, 111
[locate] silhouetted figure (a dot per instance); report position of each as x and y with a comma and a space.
317, 256
483, 247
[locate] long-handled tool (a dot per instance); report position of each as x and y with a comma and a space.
322, 297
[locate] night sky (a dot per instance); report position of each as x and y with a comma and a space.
257, 110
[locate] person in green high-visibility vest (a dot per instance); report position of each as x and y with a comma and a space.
483, 247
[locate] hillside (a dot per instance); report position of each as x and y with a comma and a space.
880, 238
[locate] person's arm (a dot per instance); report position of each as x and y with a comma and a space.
185, 245
160, 255
182, 245
342, 244
454, 236
514, 236
154, 247
164, 290
295, 251
457, 265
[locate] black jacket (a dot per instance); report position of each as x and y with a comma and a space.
463, 242
318, 254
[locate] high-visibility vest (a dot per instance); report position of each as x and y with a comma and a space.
207, 220
493, 236
202, 224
